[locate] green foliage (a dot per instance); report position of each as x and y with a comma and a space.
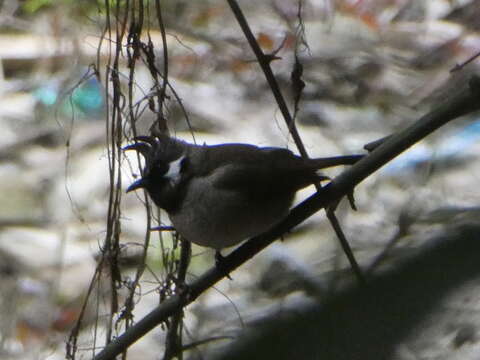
34, 6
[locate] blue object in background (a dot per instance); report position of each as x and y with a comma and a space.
88, 97
450, 148
47, 95
85, 101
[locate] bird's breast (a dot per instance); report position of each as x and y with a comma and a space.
220, 218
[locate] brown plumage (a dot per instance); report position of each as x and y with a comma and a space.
219, 195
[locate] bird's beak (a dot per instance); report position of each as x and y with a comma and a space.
140, 183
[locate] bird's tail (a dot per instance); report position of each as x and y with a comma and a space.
326, 162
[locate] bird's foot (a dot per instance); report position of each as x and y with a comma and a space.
184, 291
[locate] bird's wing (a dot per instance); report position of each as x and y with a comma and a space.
254, 170
248, 155
251, 180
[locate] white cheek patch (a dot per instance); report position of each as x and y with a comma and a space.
174, 170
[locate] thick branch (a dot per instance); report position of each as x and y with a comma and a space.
466, 101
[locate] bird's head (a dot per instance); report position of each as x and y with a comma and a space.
165, 159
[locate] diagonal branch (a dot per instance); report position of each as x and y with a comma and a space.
264, 61
464, 102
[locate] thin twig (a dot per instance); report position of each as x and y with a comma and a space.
264, 61
173, 344
345, 246
206, 341
161, 120
458, 67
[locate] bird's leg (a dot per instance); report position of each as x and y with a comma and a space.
184, 261
218, 257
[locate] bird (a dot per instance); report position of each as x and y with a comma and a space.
216, 196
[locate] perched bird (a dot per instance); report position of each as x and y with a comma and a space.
218, 195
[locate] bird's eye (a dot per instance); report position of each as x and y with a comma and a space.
158, 171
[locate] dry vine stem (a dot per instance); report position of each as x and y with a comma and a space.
462, 103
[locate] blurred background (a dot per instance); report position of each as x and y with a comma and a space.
371, 67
